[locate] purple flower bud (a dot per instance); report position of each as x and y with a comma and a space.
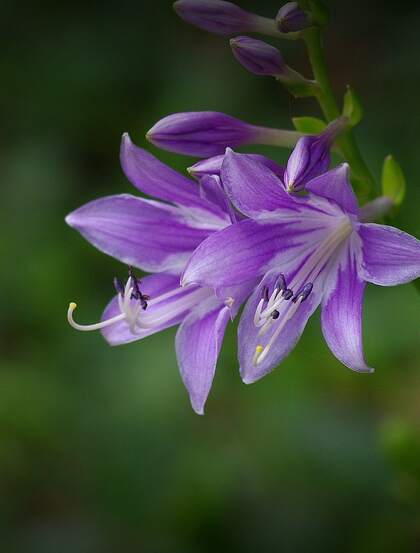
213, 165
209, 133
201, 134
311, 156
291, 18
257, 56
216, 16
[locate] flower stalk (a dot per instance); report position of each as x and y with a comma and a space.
363, 180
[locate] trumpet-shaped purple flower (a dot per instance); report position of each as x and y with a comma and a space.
159, 237
312, 250
209, 133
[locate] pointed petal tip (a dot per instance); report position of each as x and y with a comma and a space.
363, 370
248, 378
198, 408
70, 219
125, 139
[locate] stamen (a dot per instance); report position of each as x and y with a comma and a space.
281, 282
257, 315
287, 294
265, 293
119, 286
304, 293
229, 301
275, 314
136, 293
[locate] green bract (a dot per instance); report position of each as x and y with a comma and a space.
309, 125
393, 180
352, 107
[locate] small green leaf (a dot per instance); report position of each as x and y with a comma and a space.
309, 125
352, 107
393, 180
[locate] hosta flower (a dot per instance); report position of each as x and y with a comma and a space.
312, 250
159, 237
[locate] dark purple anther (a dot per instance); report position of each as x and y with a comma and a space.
136, 293
281, 282
264, 294
275, 314
304, 293
118, 285
287, 294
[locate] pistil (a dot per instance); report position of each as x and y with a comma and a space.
135, 306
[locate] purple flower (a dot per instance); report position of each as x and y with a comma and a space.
311, 156
159, 237
257, 56
309, 251
291, 18
209, 133
223, 18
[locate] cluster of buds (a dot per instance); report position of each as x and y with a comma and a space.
257, 56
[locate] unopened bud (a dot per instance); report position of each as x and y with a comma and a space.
209, 133
226, 18
292, 18
257, 56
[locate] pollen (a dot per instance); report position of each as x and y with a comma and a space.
259, 349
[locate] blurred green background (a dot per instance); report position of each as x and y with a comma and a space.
100, 451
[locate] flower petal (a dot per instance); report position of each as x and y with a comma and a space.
250, 248
198, 343
342, 308
213, 165
251, 186
248, 334
150, 235
154, 178
211, 189
390, 256
153, 286
335, 185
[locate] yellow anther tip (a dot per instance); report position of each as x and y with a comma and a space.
72, 305
258, 349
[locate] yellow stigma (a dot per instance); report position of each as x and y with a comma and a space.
72, 305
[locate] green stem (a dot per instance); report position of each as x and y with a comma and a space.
346, 142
